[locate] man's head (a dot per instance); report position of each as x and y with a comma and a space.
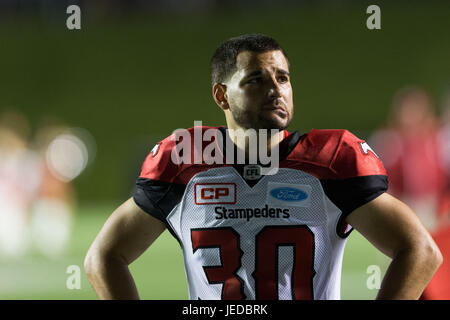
413, 109
251, 83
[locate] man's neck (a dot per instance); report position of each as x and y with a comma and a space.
251, 141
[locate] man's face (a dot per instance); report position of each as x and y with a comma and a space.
259, 93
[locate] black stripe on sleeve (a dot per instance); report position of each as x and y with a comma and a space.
158, 198
350, 194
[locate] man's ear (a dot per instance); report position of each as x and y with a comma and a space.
219, 94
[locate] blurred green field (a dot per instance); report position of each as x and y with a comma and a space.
159, 273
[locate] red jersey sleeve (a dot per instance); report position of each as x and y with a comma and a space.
156, 193
355, 158
358, 176
160, 164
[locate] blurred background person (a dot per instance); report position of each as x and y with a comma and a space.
439, 286
415, 147
19, 180
444, 147
53, 207
411, 151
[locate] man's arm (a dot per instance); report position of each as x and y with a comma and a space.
392, 227
127, 233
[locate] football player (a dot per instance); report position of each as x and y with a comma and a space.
248, 235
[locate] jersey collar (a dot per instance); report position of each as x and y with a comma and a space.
290, 140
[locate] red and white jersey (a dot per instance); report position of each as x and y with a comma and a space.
279, 236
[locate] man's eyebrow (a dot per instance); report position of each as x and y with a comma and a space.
254, 73
259, 72
283, 72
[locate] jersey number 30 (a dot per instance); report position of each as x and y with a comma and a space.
267, 241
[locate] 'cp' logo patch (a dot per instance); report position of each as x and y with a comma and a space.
215, 193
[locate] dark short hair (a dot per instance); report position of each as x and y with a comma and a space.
223, 62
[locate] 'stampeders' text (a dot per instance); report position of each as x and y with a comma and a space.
249, 213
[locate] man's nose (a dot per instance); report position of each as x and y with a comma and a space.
274, 88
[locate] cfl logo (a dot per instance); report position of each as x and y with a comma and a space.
252, 172
215, 193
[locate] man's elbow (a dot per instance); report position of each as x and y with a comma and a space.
92, 262
95, 263
437, 255
98, 261
430, 254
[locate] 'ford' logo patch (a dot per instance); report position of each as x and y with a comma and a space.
288, 194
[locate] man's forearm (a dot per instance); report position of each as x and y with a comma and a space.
409, 273
111, 279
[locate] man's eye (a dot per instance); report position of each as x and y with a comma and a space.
283, 79
254, 80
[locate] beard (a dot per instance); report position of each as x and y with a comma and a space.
258, 119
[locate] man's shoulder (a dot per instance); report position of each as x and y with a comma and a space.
163, 162
322, 145
329, 137
337, 153
203, 133
197, 131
